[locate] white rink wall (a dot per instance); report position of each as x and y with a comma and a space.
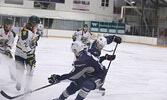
140, 39
126, 38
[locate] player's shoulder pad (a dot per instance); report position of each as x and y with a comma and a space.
109, 38
85, 57
91, 58
14, 34
24, 34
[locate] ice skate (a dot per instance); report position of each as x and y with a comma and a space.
18, 87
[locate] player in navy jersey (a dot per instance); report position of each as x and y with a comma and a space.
97, 46
88, 74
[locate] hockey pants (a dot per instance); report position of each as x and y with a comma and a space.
21, 66
85, 86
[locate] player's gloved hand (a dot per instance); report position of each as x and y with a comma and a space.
74, 38
8, 53
3, 42
88, 44
39, 33
83, 39
31, 59
110, 57
118, 39
54, 79
34, 42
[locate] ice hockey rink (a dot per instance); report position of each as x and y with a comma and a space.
139, 72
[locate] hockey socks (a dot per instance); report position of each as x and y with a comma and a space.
64, 95
87, 87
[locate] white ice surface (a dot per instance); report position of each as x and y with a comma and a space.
139, 72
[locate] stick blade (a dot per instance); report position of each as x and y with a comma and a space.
6, 96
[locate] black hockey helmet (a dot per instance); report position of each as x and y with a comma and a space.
33, 20
85, 25
8, 21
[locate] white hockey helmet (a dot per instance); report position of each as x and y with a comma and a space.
77, 46
40, 27
101, 42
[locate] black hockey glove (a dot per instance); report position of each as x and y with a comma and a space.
83, 39
39, 33
3, 42
88, 44
110, 57
54, 79
74, 38
118, 39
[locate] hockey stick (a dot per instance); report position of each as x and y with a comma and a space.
112, 54
13, 97
108, 50
103, 89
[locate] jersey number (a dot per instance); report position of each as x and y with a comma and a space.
25, 44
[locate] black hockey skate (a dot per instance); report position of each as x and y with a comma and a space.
102, 90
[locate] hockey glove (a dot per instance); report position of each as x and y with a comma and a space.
117, 39
3, 42
110, 57
34, 42
39, 33
31, 60
74, 38
88, 44
83, 39
54, 79
8, 53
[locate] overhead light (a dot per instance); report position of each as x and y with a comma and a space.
133, 3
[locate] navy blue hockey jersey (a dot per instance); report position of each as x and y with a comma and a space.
94, 50
85, 66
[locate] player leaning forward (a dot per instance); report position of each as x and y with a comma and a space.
25, 53
7, 36
87, 75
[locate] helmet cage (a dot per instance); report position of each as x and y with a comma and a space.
77, 46
101, 42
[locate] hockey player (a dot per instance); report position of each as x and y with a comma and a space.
87, 75
7, 36
25, 52
97, 46
83, 35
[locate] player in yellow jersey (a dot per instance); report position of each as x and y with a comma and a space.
25, 52
7, 36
